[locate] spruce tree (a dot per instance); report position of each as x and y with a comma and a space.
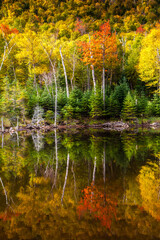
129, 109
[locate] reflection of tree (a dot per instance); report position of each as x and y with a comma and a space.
38, 140
149, 180
100, 206
129, 145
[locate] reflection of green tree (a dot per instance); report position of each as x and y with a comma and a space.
129, 145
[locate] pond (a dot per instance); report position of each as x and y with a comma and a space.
79, 185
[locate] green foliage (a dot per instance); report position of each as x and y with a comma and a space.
112, 106
96, 104
61, 99
129, 109
49, 116
156, 105
68, 112
116, 98
142, 103
74, 104
46, 100
85, 102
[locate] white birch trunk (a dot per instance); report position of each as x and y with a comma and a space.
2, 140
65, 73
73, 71
56, 152
65, 181
94, 170
2, 124
55, 81
93, 73
5, 192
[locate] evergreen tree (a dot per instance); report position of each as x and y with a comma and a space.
96, 104
129, 109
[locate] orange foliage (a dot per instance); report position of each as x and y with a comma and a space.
102, 207
101, 50
6, 30
140, 29
80, 26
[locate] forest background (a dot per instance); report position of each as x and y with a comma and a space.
79, 59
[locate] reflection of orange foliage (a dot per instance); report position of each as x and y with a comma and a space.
101, 206
7, 215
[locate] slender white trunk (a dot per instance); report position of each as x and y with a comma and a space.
55, 81
93, 73
94, 80
94, 170
2, 124
65, 73
17, 124
56, 153
56, 92
74, 177
88, 77
5, 54
65, 181
123, 41
73, 71
5, 192
2, 140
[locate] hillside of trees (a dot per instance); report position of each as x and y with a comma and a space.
76, 59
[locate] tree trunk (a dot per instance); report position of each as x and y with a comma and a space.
65, 73
65, 181
5, 192
55, 80
2, 140
94, 170
88, 77
74, 65
2, 124
93, 73
56, 152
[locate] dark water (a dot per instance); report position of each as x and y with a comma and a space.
85, 185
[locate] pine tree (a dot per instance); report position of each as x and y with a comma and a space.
129, 110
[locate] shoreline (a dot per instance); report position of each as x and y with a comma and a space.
108, 126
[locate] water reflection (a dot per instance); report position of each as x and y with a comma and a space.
80, 186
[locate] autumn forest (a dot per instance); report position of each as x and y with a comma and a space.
79, 119
75, 59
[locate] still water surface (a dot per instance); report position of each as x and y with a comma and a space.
81, 185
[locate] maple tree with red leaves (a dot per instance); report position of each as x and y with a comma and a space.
100, 51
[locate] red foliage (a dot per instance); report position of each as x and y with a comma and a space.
140, 29
102, 207
80, 26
